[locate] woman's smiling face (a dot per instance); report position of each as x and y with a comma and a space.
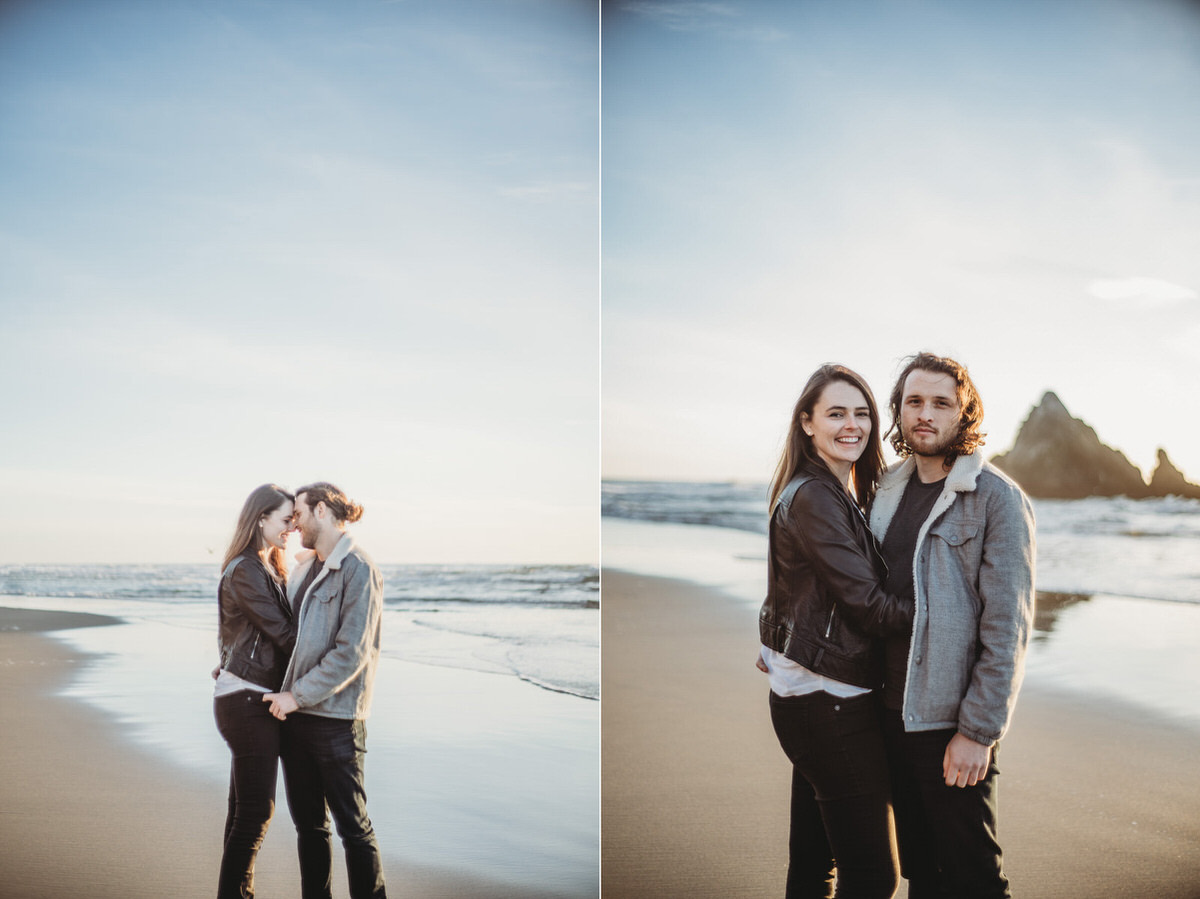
839, 426
277, 525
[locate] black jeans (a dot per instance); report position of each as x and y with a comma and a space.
245, 722
841, 812
323, 773
947, 835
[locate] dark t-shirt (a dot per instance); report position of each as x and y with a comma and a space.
899, 545
313, 570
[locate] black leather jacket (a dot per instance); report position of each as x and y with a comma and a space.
256, 634
825, 607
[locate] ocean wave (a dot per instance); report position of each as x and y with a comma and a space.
1148, 548
549, 585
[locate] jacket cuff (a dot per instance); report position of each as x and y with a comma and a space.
978, 737
298, 694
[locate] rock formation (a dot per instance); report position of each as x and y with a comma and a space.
1169, 480
1056, 456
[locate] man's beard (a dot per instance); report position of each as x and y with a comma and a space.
941, 448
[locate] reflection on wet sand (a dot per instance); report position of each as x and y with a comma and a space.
1048, 607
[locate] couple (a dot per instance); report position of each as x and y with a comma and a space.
298, 660
898, 612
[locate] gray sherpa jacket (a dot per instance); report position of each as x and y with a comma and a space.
332, 670
973, 582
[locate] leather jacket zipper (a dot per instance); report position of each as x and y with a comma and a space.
257, 637
829, 624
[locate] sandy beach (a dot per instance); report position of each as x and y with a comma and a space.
1098, 798
86, 812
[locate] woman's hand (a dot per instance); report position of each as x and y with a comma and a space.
761, 665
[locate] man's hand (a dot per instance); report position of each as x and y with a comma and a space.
282, 704
761, 665
966, 762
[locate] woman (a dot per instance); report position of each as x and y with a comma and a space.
256, 639
819, 624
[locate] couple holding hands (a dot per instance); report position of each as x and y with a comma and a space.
298, 662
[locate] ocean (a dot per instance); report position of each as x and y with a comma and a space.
1148, 548
537, 623
483, 741
1118, 580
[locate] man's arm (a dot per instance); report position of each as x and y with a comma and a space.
1006, 595
362, 607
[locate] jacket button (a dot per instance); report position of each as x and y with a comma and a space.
918, 660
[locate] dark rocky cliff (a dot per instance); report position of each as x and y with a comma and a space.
1056, 456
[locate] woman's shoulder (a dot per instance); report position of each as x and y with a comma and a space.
248, 570
819, 497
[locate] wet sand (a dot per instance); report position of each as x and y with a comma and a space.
85, 812
1097, 798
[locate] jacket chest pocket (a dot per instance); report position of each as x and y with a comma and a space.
956, 533
955, 551
325, 593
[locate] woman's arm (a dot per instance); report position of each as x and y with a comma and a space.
821, 522
250, 588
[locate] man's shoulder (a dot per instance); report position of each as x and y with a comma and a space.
357, 559
1001, 499
992, 479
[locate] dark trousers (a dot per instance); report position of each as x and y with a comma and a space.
841, 813
323, 773
245, 722
947, 835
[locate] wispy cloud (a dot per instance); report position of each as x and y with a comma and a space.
550, 191
1145, 292
724, 18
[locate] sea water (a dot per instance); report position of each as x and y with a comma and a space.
536, 623
1118, 580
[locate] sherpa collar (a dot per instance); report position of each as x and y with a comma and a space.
341, 549
963, 476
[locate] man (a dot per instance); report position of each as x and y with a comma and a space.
958, 538
337, 596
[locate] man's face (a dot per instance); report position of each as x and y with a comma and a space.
306, 523
930, 414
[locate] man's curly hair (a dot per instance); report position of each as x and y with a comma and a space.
970, 437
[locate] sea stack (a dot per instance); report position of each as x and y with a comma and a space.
1169, 480
1056, 456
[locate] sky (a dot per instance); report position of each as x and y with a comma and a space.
249, 241
1014, 184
